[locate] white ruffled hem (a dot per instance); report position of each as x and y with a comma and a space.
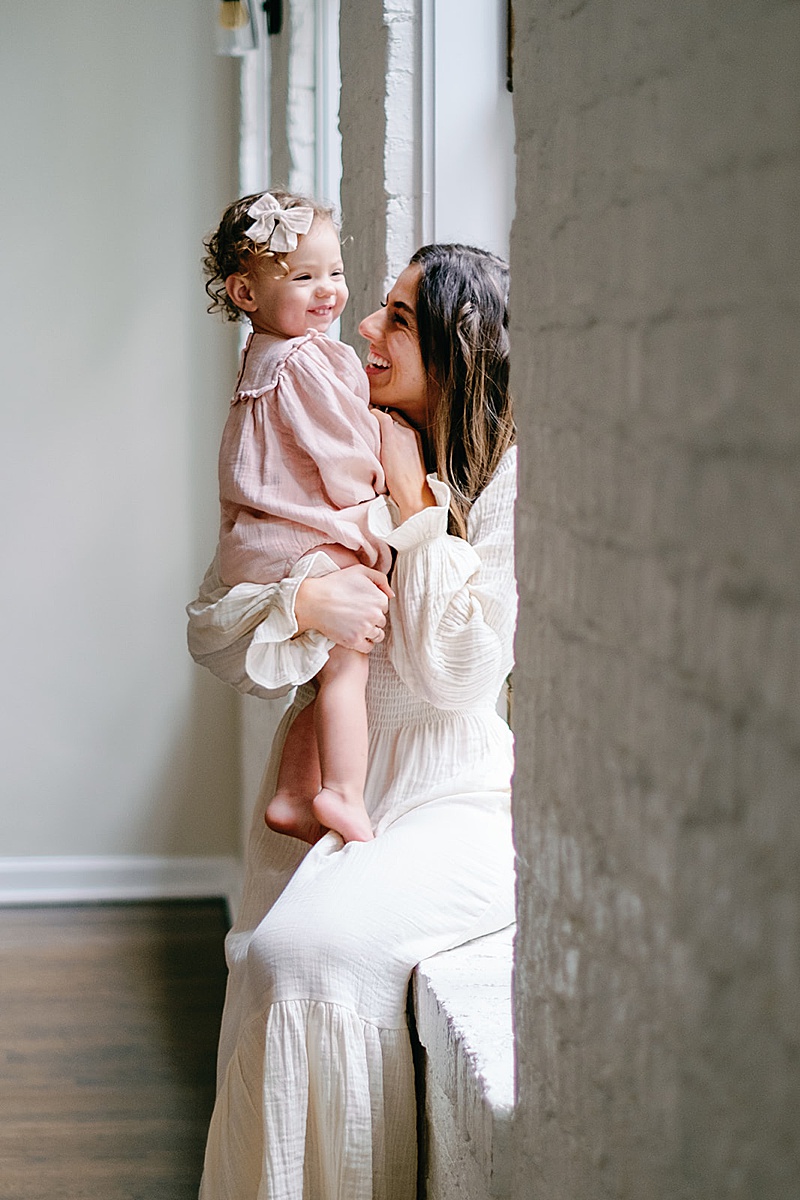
321, 1131
278, 656
424, 526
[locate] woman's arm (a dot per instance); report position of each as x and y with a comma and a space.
454, 612
349, 607
265, 638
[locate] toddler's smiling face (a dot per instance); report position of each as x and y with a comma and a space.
310, 294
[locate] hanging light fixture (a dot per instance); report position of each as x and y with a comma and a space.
237, 31
274, 11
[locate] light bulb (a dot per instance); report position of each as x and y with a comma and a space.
233, 14
236, 26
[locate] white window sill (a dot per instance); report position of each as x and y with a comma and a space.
462, 1006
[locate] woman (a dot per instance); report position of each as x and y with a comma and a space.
316, 1089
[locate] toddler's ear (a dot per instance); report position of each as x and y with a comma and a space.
240, 292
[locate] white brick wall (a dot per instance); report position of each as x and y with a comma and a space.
462, 1007
656, 357
378, 117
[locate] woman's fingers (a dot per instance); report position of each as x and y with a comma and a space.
392, 423
403, 464
377, 578
347, 606
391, 414
401, 445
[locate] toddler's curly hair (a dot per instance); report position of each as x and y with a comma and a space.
229, 251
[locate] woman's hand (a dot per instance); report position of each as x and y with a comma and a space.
403, 464
347, 606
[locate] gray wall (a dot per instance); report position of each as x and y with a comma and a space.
656, 362
118, 145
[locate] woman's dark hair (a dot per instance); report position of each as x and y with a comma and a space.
229, 251
462, 321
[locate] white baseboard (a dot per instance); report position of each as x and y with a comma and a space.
60, 880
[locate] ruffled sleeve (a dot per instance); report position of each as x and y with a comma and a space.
454, 611
245, 634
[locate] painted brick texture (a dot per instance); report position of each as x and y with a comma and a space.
379, 117
656, 292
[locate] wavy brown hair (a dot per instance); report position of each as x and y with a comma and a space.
229, 251
462, 321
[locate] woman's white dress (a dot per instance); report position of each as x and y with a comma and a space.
315, 1085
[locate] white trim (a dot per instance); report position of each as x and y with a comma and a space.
427, 118
254, 148
328, 141
61, 880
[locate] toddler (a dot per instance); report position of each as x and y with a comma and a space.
298, 465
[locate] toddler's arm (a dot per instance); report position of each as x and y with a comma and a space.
323, 397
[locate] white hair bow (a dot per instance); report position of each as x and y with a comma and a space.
277, 227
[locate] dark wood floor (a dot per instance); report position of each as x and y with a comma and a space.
109, 1016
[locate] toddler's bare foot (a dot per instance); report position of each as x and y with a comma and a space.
293, 816
347, 817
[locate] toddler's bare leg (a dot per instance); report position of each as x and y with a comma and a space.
341, 724
299, 780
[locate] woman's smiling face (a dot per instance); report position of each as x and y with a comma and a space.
397, 378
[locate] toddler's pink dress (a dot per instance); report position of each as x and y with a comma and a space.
299, 460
